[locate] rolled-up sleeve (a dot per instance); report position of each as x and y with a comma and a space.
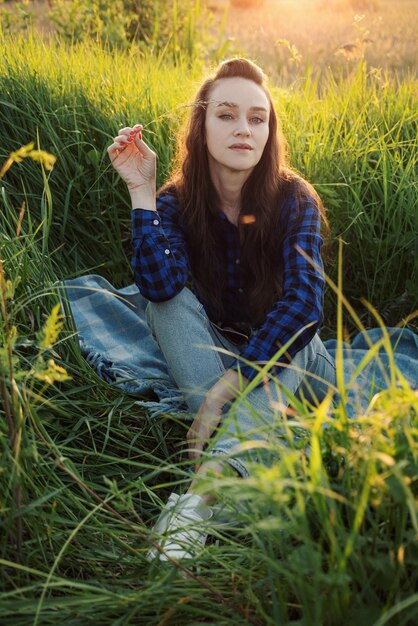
159, 251
297, 315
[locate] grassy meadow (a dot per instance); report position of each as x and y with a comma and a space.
328, 535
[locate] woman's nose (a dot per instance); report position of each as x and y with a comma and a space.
242, 129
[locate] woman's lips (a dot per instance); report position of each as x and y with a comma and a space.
240, 147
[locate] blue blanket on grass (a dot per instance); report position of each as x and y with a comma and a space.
115, 340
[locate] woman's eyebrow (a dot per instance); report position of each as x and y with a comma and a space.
233, 105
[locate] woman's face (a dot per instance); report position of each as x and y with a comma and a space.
237, 124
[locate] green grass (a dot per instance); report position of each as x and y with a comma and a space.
327, 537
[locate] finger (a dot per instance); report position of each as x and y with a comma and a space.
125, 131
191, 436
130, 131
128, 135
137, 128
122, 142
195, 427
114, 150
197, 441
124, 139
131, 137
137, 135
144, 149
195, 452
121, 139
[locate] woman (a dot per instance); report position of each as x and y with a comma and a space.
246, 228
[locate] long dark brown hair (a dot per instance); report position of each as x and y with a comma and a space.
266, 190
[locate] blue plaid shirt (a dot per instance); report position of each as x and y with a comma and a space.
161, 270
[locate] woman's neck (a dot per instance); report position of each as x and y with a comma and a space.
229, 186
231, 206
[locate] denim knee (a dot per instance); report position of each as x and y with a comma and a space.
166, 309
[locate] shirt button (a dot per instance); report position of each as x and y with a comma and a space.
167, 251
237, 261
156, 222
240, 290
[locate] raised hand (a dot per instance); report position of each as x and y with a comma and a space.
135, 162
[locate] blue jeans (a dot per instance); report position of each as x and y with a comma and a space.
197, 355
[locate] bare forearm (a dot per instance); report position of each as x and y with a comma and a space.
228, 386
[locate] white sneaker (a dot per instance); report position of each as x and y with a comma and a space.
180, 525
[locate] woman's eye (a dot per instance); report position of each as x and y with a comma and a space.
252, 120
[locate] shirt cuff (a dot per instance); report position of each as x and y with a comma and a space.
246, 370
251, 372
144, 222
